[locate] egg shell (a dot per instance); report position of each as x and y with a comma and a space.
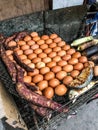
48, 92
43, 46
70, 51
76, 55
44, 70
57, 40
36, 60
35, 46
28, 51
56, 49
61, 53
52, 45
27, 38
11, 57
61, 44
66, 57
35, 72
27, 79
52, 54
53, 36
57, 58
49, 75
42, 55
78, 66
26, 61
54, 82
31, 42
40, 42
42, 85
56, 69
62, 63
48, 50
73, 61
67, 80
37, 38
38, 51
19, 52
12, 43
9, 52
32, 56
66, 47
68, 68
51, 64
46, 59
31, 65
40, 65
21, 43
61, 90
37, 78
83, 59
38, 92
49, 41
25, 47
34, 34
22, 57
74, 73
45, 37
60, 75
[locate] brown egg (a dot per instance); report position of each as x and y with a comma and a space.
83, 59
27, 38
57, 40
61, 44
57, 58
52, 45
38, 51
66, 47
49, 75
54, 82
61, 53
48, 92
10, 57
56, 69
67, 80
36, 60
66, 57
28, 51
9, 52
49, 41
48, 50
37, 38
38, 92
78, 66
74, 73
31, 65
61, 90
70, 51
42, 85
37, 78
73, 61
34, 34
35, 46
42, 55
61, 74
43, 46
17, 48
44, 70
31, 42
40, 65
46, 59
45, 37
56, 49
21, 43
68, 68
25, 73
62, 63
53, 36
26, 61
52, 54
27, 79
19, 52
32, 56
36, 72
40, 42
12, 43
76, 55
51, 64
25, 47
22, 57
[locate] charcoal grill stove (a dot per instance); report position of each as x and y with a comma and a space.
65, 25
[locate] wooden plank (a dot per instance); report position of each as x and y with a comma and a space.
13, 8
